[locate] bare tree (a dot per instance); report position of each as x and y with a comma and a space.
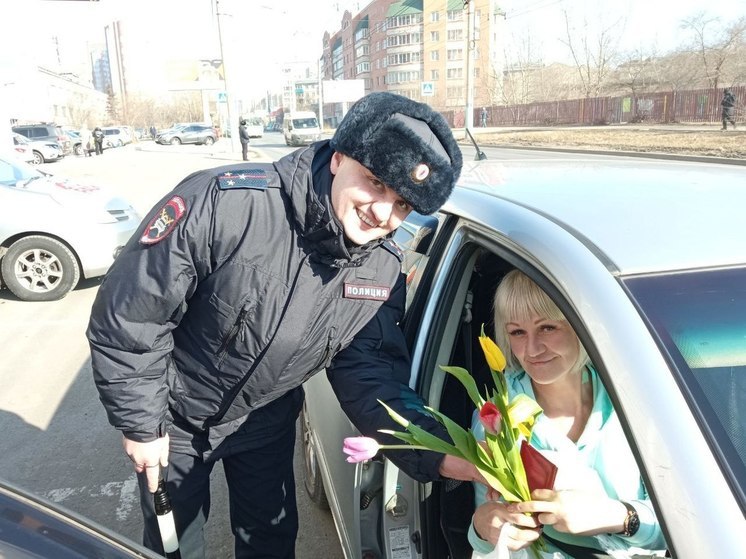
717, 46
593, 52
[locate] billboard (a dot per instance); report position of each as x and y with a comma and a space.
340, 91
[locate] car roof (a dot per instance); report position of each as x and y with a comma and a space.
639, 216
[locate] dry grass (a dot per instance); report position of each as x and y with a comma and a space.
730, 144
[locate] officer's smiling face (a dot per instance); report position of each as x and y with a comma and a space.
366, 208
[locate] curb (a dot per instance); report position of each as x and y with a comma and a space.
640, 154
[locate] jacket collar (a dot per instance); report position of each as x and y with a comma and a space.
307, 182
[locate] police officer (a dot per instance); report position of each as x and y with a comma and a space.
243, 282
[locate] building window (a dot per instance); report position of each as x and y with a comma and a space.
456, 35
455, 15
406, 39
434, 75
434, 55
362, 50
362, 68
435, 36
455, 54
455, 92
403, 58
434, 16
454, 73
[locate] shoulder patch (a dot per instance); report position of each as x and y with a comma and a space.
164, 221
394, 249
254, 179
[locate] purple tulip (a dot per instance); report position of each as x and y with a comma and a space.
359, 449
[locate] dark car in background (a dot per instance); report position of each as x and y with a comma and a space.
33, 528
189, 134
46, 132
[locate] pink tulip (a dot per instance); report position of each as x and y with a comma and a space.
360, 449
490, 417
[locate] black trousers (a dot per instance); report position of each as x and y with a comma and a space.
258, 465
728, 116
245, 150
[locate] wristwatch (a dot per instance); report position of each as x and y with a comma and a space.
631, 522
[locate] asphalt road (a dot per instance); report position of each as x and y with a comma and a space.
56, 441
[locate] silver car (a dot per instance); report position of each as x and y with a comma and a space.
648, 261
54, 231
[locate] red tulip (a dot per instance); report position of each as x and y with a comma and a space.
490, 417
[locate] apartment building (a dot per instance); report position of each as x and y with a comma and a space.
419, 49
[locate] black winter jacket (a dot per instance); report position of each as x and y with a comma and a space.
248, 294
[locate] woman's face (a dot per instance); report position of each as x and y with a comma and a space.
546, 349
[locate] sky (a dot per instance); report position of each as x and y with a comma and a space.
258, 36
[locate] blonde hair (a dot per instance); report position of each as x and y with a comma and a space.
518, 298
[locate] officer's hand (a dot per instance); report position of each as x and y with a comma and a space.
148, 457
458, 468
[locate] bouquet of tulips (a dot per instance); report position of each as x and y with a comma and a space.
510, 466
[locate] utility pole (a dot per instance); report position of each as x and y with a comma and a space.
469, 110
228, 97
321, 95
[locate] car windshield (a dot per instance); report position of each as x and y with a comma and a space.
700, 319
13, 173
305, 123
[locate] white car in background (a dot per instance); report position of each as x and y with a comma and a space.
54, 231
255, 127
22, 148
37, 152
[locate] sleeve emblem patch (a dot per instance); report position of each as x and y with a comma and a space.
164, 221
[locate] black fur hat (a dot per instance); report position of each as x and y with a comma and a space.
406, 144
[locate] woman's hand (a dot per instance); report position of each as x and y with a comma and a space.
575, 512
494, 517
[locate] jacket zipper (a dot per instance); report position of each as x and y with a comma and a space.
222, 352
215, 419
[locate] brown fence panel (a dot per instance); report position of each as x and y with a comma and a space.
701, 105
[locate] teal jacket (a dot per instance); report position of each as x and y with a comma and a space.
602, 448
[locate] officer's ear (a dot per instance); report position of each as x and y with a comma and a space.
336, 161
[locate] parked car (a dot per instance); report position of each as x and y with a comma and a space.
54, 231
32, 527
255, 127
189, 134
648, 262
116, 136
48, 133
22, 148
42, 151
76, 141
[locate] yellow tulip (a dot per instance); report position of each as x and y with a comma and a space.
495, 357
522, 411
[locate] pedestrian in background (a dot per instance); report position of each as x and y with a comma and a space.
243, 134
243, 282
153, 132
728, 103
85, 140
484, 117
98, 140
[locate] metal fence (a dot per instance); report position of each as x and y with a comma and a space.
698, 105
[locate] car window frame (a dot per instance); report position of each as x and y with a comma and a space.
440, 298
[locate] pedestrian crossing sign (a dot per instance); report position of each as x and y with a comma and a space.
428, 89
